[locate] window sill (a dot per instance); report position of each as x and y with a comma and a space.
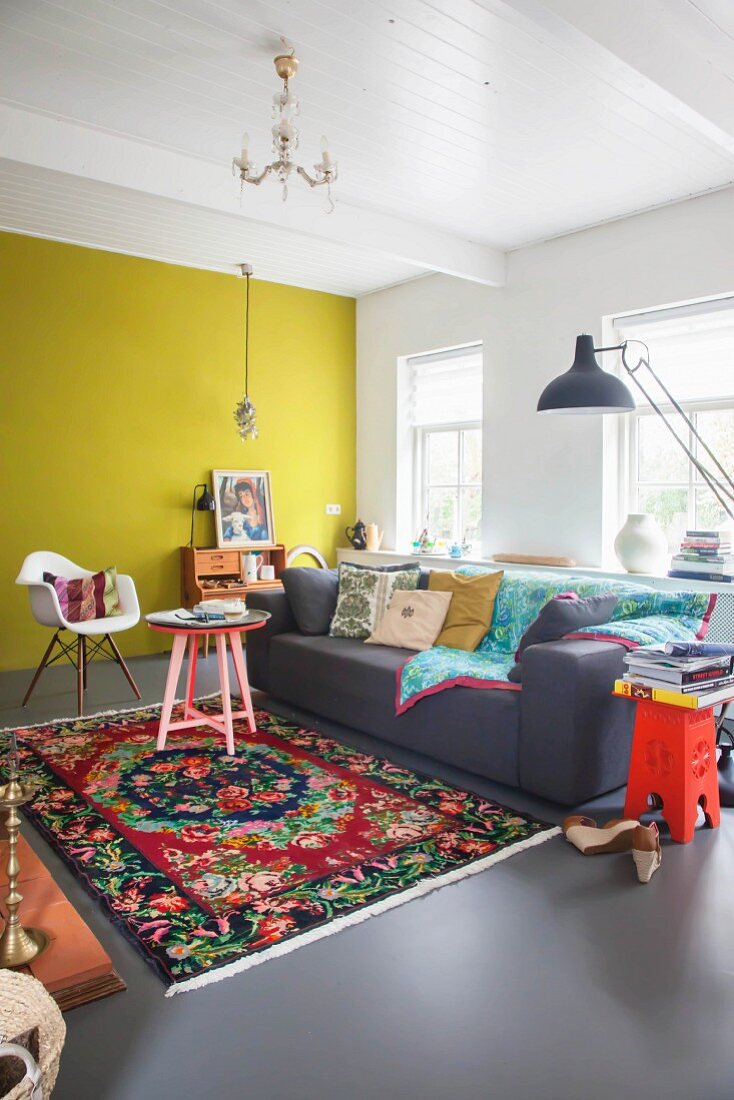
435, 561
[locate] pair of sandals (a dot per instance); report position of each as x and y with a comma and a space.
617, 836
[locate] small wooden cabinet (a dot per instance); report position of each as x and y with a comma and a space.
212, 574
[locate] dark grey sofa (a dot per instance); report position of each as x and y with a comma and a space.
562, 737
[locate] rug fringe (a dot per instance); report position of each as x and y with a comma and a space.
357, 917
104, 713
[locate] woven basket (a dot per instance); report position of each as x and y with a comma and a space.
30, 1016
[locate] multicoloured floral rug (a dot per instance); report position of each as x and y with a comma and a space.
211, 864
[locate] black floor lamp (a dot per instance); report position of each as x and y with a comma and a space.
586, 389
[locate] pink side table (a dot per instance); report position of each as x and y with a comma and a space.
189, 636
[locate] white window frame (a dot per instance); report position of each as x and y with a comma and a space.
694, 482
420, 471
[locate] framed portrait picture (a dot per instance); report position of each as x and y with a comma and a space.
244, 510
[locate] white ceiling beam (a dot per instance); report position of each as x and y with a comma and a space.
62, 146
653, 51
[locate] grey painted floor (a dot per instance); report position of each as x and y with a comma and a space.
549, 976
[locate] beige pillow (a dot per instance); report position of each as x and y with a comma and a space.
413, 620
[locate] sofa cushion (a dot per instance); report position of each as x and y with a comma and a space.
364, 596
348, 682
412, 621
562, 615
472, 604
312, 595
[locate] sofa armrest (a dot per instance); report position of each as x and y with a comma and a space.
281, 621
575, 736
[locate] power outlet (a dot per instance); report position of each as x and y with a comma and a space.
333, 509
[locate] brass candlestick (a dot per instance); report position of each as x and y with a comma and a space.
18, 945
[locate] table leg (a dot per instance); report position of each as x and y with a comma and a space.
174, 668
224, 685
235, 642
191, 675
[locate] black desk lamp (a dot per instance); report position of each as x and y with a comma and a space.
205, 503
586, 388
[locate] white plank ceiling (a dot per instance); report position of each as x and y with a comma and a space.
463, 128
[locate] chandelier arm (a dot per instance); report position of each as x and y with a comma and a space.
644, 360
311, 180
257, 180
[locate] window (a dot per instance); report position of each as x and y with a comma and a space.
446, 417
692, 351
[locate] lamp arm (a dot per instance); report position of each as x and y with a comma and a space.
713, 483
645, 361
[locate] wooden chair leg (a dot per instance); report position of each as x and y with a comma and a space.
40, 668
81, 660
121, 663
86, 662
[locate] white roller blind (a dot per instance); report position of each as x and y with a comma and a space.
446, 387
691, 349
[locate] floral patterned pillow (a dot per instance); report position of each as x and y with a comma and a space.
364, 596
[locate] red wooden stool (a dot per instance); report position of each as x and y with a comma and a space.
674, 758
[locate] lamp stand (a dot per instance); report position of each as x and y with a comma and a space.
18, 945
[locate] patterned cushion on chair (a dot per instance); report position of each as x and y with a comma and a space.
85, 598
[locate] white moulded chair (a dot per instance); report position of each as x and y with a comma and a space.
47, 611
309, 551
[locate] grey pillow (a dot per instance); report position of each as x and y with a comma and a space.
561, 616
312, 595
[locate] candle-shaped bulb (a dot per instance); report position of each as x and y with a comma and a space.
325, 154
244, 156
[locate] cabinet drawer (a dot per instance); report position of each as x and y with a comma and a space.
218, 561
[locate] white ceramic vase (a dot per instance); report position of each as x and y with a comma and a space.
641, 545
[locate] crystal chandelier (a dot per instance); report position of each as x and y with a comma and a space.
285, 140
245, 413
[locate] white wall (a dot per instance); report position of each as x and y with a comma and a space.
542, 475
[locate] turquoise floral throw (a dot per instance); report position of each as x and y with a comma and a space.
642, 616
364, 596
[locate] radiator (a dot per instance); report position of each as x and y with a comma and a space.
721, 627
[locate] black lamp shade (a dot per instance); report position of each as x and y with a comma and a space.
585, 388
206, 502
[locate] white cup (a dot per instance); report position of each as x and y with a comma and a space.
233, 609
267, 572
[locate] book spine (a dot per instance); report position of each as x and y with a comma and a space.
702, 565
684, 679
699, 555
693, 544
656, 695
710, 685
703, 534
685, 689
681, 574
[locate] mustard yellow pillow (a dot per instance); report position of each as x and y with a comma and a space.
471, 608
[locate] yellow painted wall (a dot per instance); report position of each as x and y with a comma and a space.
119, 377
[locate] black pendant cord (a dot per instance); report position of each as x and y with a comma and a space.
247, 331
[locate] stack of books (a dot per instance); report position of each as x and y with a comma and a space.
704, 556
692, 682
